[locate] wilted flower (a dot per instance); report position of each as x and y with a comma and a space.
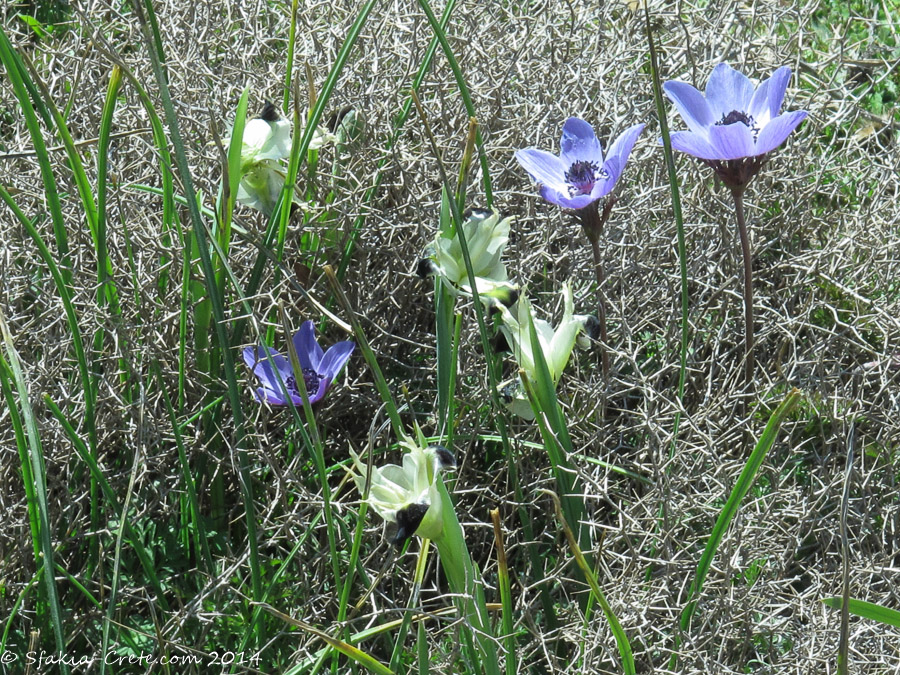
555, 344
266, 142
319, 369
408, 495
734, 125
579, 176
486, 236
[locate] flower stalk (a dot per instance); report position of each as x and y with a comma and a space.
738, 194
592, 222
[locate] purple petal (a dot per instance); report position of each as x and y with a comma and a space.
269, 396
579, 143
696, 145
555, 196
324, 386
543, 167
309, 353
766, 103
335, 358
728, 90
604, 186
565, 201
691, 104
619, 152
776, 131
732, 141
258, 360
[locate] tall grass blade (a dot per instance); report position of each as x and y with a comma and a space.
740, 490
675, 192
866, 610
15, 419
12, 363
69, 311
216, 301
107, 290
439, 33
506, 619
112, 500
622, 643
18, 77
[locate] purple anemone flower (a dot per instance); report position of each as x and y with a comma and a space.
319, 368
579, 176
733, 120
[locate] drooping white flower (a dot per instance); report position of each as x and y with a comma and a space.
487, 236
408, 494
556, 344
265, 144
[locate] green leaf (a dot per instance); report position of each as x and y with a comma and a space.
867, 610
740, 490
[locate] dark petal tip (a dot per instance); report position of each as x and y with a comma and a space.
446, 460
592, 327
408, 521
508, 392
511, 298
480, 214
270, 112
425, 268
336, 117
500, 344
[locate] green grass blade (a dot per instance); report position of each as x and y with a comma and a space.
464, 580
17, 76
24, 462
740, 490
403, 630
198, 528
366, 349
867, 610
217, 305
83, 185
228, 189
69, 310
112, 500
397, 127
39, 474
622, 643
675, 193
289, 65
107, 288
464, 92
507, 620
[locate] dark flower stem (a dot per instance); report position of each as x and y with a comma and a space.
592, 222
601, 304
738, 194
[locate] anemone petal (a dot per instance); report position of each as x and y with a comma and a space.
776, 132
691, 104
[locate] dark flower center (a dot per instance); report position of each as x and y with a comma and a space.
736, 116
310, 377
582, 176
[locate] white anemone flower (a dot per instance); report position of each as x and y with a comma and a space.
555, 344
407, 495
487, 236
265, 144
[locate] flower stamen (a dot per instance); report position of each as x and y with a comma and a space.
582, 176
736, 116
